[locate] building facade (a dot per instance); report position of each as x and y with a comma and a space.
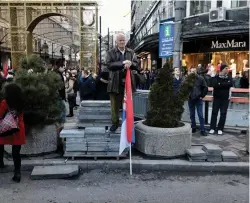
56, 32
202, 38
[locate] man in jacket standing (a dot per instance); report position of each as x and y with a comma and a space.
197, 93
118, 60
222, 85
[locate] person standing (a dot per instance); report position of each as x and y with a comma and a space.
221, 94
197, 93
118, 60
13, 100
69, 87
87, 86
236, 80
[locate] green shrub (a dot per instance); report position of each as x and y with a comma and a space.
42, 103
166, 107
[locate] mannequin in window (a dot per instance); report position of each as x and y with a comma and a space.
245, 62
219, 65
233, 68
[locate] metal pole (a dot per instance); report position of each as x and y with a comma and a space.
52, 52
112, 41
179, 7
108, 38
100, 51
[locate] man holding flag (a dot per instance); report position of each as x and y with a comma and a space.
120, 60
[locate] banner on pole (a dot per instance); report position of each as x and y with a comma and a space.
166, 40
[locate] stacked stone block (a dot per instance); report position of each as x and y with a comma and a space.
89, 136
213, 152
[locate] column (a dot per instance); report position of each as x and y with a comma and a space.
29, 38
188, 8
179, 15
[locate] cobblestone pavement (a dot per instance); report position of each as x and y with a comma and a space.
228, 142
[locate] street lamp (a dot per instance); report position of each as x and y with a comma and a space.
45, 49
62, 52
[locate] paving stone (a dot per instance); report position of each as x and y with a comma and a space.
196, 160
94, 117
212, 149
229, 156
196, 152
72, 133
91, 103
214, 159
54, 172
230, 160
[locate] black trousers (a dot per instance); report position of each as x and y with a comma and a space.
15, 154
222, 105
71, 101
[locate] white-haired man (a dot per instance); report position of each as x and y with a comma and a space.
118, 60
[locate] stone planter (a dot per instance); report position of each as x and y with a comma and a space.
247, 141
39, 140
165, 142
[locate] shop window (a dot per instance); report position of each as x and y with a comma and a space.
238, 3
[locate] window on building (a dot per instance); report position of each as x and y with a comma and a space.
170, 9
200, 6
238, 3
219, 3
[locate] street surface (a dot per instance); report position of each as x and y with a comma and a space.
118, 187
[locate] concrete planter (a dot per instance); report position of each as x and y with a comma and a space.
247, 141
38, 141
166, 142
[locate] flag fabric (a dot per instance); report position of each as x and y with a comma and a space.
127, 129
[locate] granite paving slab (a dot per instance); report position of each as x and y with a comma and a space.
54, 172
212, 149
196, 152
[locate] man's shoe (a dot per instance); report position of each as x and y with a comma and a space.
211, 131
220, 132
113, 128
70, 115
203, 133
2, 164
193, 130
17, 177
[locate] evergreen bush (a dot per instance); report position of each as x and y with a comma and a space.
166, 106
40, 88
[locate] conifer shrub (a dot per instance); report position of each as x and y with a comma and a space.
40, 88
166, 106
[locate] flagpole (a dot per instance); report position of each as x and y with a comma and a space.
130, 159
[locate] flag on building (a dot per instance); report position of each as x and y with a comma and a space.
127, 129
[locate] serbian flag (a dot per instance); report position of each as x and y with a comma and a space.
127, 129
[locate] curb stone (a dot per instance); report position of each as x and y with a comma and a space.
176, 165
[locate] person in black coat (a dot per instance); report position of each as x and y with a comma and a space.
87, 86
222, 84
244, 81
101, 86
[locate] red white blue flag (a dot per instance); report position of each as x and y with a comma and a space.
127, 129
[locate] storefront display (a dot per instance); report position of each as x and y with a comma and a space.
233, 51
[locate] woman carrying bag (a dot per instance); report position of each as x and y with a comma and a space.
13, 101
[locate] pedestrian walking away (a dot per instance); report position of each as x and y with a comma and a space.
222, 84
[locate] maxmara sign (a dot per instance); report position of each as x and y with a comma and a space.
228, 44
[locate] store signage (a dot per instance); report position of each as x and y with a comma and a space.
166, 40
228, 44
